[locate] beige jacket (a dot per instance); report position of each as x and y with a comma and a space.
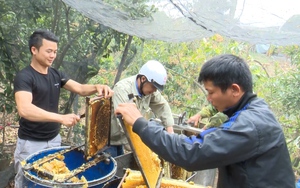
155, 103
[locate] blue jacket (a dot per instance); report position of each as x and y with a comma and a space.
249, 149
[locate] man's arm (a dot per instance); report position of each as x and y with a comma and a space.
129, 112
33, 113
216, 120
120, 94
192, 153
206, 112
88, 89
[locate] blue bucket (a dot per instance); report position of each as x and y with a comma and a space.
96, 175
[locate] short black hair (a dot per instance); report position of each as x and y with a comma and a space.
225, 70
36, 39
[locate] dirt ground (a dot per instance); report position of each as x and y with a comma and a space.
8, 150
11, 134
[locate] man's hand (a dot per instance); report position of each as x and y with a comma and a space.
129, 112
194, 119
170, 129
104, 90
70, 120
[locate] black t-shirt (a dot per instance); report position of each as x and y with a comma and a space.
45, 89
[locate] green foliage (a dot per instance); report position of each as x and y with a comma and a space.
279, 86
84, 48
274, 83
293, 52
183, 62
137, 9
79, 132
105, 75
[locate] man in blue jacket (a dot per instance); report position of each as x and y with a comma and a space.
249, 149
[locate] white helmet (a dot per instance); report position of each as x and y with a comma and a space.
155, 73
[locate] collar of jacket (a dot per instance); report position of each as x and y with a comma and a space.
137, 93
246, 98
137, 89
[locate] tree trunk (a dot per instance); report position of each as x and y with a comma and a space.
123, 60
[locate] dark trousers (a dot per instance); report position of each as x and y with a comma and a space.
115, 151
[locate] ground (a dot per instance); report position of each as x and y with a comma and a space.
8, 149
11, 133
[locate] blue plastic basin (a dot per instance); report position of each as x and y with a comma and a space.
96, 175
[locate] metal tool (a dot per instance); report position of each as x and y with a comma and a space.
186, 127
182, 124
30, 166
82, 168
82, 116
123, 178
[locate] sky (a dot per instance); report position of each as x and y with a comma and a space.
265, 13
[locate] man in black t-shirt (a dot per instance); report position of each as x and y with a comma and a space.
37, 89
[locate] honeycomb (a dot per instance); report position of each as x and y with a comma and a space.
134, 179
59, 171
98, 114
148, 161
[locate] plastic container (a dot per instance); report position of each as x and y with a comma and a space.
298, 184
113, 183
96, 175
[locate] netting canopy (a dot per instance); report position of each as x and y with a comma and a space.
256, 21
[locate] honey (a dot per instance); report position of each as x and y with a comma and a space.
134, 179
150, 164
97, 125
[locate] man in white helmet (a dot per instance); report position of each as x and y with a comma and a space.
145, 87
